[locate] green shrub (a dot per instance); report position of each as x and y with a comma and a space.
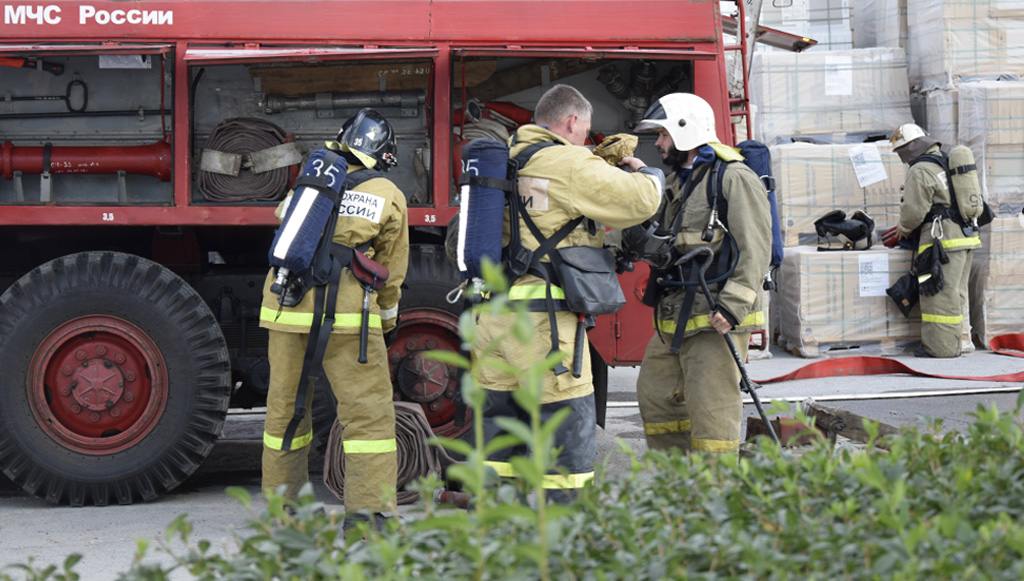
926, 506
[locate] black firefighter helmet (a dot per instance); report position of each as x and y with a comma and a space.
368, 136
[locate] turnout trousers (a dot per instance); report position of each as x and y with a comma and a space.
942, 314
365, 411
692, 400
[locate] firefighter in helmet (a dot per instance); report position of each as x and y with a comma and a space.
689, 385
373, 219
926, 209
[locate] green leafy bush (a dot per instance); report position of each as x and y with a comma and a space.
927, 505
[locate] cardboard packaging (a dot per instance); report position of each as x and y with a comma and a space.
830, 303
812, 180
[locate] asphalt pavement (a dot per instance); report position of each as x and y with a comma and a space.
106, 536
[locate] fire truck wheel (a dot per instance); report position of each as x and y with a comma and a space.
116, 380
426, 322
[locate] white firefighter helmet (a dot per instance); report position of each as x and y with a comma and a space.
689, 120
906, 133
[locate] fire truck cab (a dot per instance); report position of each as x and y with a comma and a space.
144, 146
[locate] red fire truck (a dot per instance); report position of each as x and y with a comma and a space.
145, 145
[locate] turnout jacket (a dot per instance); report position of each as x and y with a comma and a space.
749, 221
375, 212
559, 184
927, 185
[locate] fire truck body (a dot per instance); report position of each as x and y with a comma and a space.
145, 146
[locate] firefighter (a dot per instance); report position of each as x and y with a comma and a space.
373, 216
925, 209
689, 384
559, 184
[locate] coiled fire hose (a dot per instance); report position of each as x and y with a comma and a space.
244, 136
416, 458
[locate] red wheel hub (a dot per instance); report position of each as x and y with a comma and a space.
423, 380
97, 384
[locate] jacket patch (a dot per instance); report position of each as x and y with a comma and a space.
534, 193
361, 205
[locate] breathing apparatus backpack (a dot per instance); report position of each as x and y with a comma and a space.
489, 185
757, 157
967, 209
307, 225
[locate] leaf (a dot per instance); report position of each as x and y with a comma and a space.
529, 551
515, 427
240, 494
448, 357
526, 469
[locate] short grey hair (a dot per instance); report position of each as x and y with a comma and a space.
559, 102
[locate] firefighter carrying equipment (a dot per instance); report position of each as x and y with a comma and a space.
324, 274
855, 233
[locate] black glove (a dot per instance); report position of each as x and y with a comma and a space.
390, 336
929, 264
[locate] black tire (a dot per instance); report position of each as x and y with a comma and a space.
153, 347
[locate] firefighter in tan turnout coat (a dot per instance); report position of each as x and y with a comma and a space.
372, 216
689, 393
559, 184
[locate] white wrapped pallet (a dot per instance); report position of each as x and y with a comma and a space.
991, 123
828, 93
998, 289
953, 39
880, 23
812, 180
832, 302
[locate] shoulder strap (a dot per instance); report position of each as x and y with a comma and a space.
359, 176
954, 208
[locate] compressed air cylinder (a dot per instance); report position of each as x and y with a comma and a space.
308, 212
964, 174
482, 209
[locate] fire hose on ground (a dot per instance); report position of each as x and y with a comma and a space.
416, 458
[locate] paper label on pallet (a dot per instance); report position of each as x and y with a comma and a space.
867, 164
873, 274
839, 75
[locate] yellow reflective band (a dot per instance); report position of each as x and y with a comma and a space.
275, 443
525, 292
954, 243
716, 445
944, 319
961, 242
701, 322
567, 481
370, 446
659, 428
305, 320
504, 469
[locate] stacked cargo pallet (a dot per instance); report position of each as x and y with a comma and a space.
841, 102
